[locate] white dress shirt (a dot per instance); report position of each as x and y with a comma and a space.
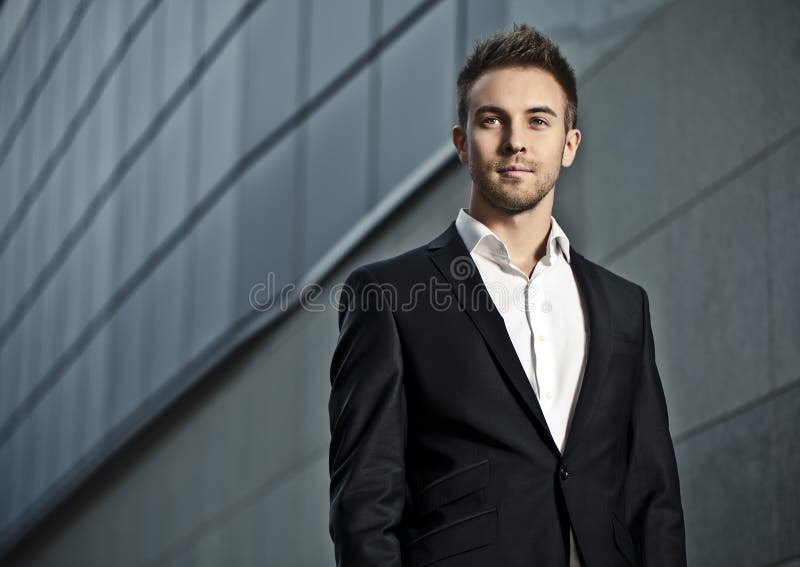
544, 316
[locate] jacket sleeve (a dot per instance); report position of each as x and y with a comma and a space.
653, 495
368, 423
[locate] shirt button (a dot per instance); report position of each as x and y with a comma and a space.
547, 307
549, 395
540, 337
563, 473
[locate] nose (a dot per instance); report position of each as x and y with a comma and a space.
513, 143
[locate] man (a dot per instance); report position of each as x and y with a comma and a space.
495, 399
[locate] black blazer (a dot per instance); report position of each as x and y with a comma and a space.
440, 453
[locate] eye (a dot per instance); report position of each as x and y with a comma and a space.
539, 122
488, 120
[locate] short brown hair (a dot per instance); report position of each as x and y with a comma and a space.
521, 47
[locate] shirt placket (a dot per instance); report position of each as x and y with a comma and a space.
540, 309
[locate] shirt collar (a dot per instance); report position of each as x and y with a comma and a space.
481, 239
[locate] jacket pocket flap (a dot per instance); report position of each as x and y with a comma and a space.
459, 536
452, 486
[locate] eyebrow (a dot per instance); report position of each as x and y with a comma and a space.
497, 110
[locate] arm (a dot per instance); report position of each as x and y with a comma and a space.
368, 422
653, 495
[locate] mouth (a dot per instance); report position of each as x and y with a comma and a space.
514, 171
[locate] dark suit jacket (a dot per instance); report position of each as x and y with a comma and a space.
440, 453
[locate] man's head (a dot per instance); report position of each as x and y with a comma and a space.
517, 108
522, 47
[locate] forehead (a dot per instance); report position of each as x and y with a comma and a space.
517, 88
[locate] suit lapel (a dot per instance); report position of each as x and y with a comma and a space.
454, 261
601, 338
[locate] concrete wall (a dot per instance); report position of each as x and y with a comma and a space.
686, 182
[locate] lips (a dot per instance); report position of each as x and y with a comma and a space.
513, 171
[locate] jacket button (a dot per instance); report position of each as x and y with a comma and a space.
563, 473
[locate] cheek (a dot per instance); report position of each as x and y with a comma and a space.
554, 154
477, 153
483, 142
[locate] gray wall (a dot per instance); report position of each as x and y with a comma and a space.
158, 158
688, 184
684, 183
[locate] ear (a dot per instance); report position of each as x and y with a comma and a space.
571, 144
460, 142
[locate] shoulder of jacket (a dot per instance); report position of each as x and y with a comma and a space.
395, 268
613, 281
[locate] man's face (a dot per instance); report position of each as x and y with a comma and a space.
515, 121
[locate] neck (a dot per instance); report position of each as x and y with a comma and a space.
524, 233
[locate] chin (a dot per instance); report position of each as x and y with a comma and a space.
514, 205
513, 198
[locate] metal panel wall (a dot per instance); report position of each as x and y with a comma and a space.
133, 231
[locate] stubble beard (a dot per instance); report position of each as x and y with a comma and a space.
508, 195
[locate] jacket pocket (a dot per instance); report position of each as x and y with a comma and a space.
458, 536
452, 486
622, 537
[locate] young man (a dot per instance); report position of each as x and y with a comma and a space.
495, 399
